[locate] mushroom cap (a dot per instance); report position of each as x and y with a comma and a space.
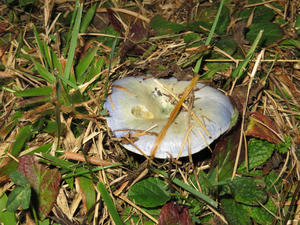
137, 104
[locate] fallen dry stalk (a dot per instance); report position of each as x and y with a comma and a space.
258, 61
173, 115
80, 157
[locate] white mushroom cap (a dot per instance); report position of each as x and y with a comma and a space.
137, 103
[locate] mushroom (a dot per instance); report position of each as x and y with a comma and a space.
139, 108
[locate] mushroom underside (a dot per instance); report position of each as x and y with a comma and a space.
137, 105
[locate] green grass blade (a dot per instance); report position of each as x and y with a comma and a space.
210, 36
109, 204
57, 112
39, 42
213, 28
72, 167
88, 18
42, 149
95, 68
190, 189
35, 92
88, 191
71, 28
61, 163
83, 171
47, 55
238, 72
56, 63
73, 43
44, 72
68, 82
20, 45
84, 64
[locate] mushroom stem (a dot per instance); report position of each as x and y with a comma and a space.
173, 115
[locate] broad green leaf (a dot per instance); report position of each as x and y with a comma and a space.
23, 135
273, 184
18, 178
20, 196
162, 26
272, 32
227, 45
261, 14
6, 217
247, 191
284, 147
44, 181
261, 215
223, 21
192, 37
259, 152
108, 41
50, 127
8, 166
84, 64
47, 90
109, 204
88, 193
149, 192
234, 212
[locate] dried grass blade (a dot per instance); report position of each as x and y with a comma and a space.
185, 106
173, 115
258, 61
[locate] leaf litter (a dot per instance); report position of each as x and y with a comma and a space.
96, 172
